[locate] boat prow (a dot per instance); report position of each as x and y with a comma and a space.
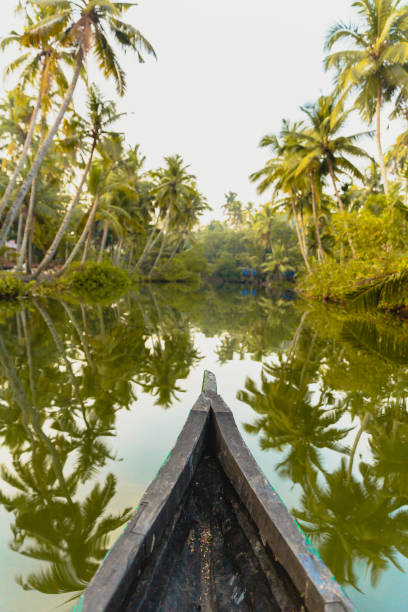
212, 534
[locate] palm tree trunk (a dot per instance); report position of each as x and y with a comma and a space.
150, 243
301, 245
87, 245
27, 229
159, 254
20, 230
303, 231
26, 147
82, 236
29, 262
148, 246
340, 203
65, 222
162, 233
118, 251
320, 254
334, 182
103, 241
132, 248
176, 248
15, 207
378, 135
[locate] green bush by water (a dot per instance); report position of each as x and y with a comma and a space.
187, 266
11, 286
96, 279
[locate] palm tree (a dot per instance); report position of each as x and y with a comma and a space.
375, 67
101, 115
309, 165
83, 32
323, 140
100, 186
186, 217
263, 223
174, 185
279, 261
233, 209
39, 66
280, 173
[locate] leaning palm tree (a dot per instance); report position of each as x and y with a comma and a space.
40, 66
101, 115
100, 186
375, 67
84, 31
173, 186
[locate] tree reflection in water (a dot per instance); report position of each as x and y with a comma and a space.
329, 381
71, 370
356, 366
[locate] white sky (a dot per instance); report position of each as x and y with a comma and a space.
228, 71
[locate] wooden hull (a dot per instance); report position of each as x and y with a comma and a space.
211, 534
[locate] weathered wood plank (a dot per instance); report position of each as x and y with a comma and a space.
320, 591
113, 582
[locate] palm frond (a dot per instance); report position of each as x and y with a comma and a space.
109, 63
387, 289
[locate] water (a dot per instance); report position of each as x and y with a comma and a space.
93, 396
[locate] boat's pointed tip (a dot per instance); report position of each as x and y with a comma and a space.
209, 382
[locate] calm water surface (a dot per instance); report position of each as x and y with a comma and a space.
93, 396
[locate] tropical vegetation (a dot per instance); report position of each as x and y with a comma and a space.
350, 209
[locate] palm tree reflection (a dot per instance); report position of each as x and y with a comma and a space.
346, 369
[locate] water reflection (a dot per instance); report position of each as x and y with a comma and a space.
330, 382
346, 370
65, 370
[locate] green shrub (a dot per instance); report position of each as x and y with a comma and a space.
11, 286
97, 279
226, 268
187, 266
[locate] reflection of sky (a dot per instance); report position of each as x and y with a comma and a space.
145, 435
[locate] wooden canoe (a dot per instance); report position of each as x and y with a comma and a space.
211, 534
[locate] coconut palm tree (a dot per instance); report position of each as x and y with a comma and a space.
101, 184
278, 173
40, 66
323, 140
173, 186
279, 261
101, 115
233, 209
312, 168
84, 30
375, 66
186, 217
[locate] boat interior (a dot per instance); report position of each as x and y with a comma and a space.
210, 556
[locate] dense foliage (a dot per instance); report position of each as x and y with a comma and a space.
351, 223
73, 190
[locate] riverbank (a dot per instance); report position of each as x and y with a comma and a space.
101, 280
380, 283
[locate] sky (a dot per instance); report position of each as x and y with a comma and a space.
228, 72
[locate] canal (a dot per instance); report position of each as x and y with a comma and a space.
94, 394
